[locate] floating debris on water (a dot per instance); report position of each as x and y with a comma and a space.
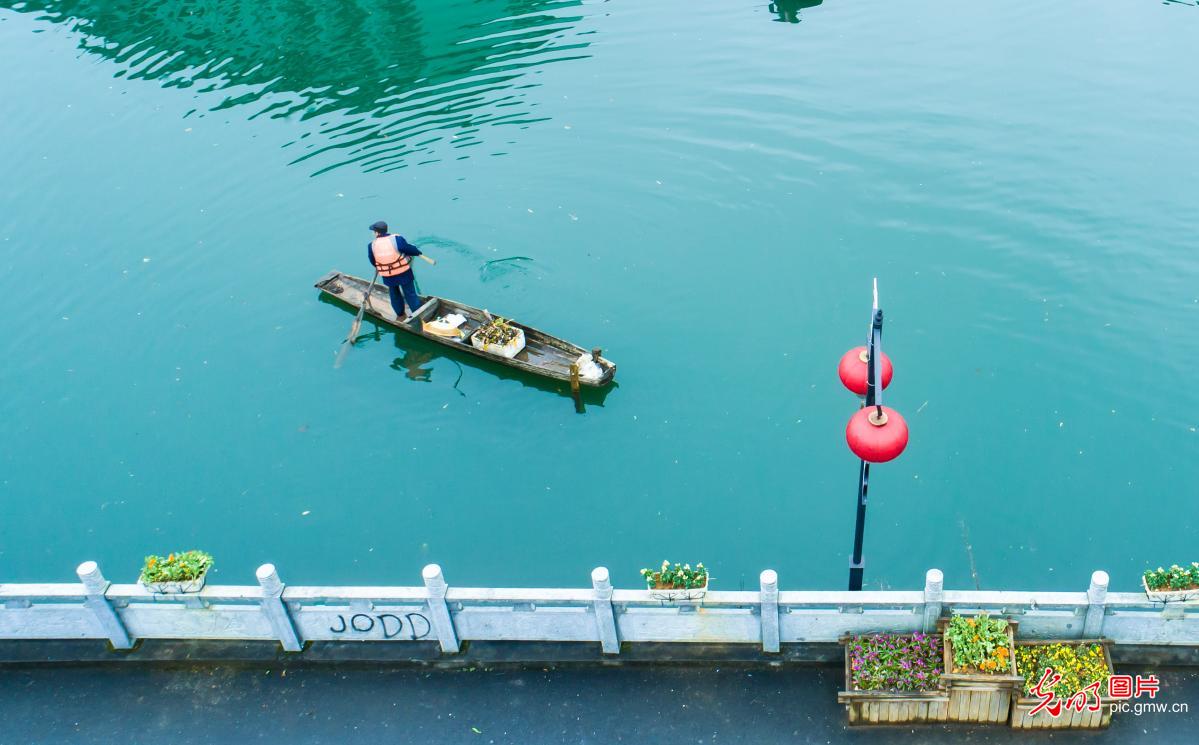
497, 268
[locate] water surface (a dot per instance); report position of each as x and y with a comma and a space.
705, 190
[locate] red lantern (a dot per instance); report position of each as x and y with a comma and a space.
853, 370
877, 439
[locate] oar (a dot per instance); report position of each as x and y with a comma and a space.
416, 282
349, 342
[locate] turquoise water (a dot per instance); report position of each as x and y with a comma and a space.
699, 188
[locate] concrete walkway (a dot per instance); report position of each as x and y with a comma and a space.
226, 704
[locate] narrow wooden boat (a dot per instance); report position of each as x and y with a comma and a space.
543, 354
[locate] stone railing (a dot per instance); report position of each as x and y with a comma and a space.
93, 608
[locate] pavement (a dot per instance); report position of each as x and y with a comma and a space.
646, 704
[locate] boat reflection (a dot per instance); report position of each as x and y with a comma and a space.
788, 10
417, 356
381, 84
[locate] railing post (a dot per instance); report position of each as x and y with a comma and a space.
1092, 626
605, 619
275, 610
95, 587
934, 593
769, 582
439, 611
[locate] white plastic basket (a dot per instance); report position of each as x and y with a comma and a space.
674, 594
1169, 596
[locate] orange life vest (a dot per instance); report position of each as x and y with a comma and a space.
388, 259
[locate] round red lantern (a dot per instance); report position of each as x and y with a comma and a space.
874, 438
853, 370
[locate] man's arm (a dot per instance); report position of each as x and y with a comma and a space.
407, 248
370, 253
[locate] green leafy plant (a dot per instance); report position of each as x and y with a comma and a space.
676, 577
1174, 578
177, 567
497, 331
979, 644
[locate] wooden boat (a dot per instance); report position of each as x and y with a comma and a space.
543, 354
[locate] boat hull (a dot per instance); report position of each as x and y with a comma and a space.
544, 355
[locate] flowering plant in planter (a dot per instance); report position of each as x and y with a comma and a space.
677, 582
678, 577
177, 572
980, 644
1080, 665
980, 674
887, 662
1172, 580
1075, 695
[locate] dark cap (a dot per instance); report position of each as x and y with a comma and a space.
379, 227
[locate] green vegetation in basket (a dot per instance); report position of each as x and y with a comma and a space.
677, 577
890, 662
1079, 665
1174, 578
177, 567
498, 332
979, 644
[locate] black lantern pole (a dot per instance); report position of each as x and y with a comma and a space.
874, 397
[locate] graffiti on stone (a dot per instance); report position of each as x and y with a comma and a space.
383, 625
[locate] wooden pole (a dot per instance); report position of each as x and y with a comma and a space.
574, 387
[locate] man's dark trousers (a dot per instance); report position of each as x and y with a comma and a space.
406, 283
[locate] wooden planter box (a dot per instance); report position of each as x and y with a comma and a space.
890, 707
677, 593
1022, 705
1169, 596
174, 588
984, 698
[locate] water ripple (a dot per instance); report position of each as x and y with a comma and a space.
380, 85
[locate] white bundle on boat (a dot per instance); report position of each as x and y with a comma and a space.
587, 367
446, 325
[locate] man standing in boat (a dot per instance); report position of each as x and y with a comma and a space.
391, 255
